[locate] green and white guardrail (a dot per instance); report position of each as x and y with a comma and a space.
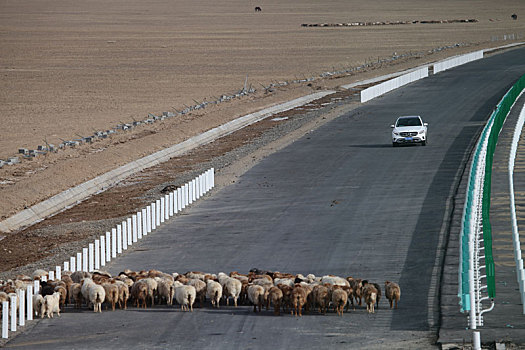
476, 232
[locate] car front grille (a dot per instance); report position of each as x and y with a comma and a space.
407, 134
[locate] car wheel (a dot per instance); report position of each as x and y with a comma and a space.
424, 143
394, 144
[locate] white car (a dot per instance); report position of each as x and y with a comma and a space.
409, 129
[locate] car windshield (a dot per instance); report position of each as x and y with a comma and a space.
408, 122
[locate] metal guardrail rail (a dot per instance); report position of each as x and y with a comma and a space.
476, 231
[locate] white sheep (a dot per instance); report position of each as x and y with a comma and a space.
51, 305
165, 290
232, 288
185, 296
38, 305
96, 295
214, 292
152, 288
256, 296
335, 280
284, 282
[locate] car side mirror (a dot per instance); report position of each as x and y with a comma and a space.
425, 124
392, 126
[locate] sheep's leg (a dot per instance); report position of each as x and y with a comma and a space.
235, 301
254, 308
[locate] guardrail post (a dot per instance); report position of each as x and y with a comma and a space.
36, 284
72, 263
79, 262
179, 200
162, 211
193, 198
153, 214
171, 204
58, 272
91, 257
102, 250
21, 308
130, 231
166, 207
97, 254
85, 260
124, 235
66, 266
29, 297
108, 246
119, 239
141, 221
157, 212
135, 228
51, 275
13, 313
148, 220
113, 243
5, 319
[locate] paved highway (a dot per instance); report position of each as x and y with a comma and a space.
340, 200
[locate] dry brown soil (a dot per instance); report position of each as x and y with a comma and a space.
69, 68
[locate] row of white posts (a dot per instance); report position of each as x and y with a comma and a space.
518, 259
110, 245
392, 84
18, 309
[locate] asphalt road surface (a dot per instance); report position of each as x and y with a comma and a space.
340, 200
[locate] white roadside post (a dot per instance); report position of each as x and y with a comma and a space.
29, 297
43, 278
130, 231
193, 190
190, 192
166, 207
179, 199
148, 220
113, 243
141, 222
36, 284
157, 212
13, 313
66, 266
108, 246
153, 215
184, 196
135, 228
162, 210
119, 239
58, 272
124, 225
51, 275
172, 204
91, 257
97, 254
72, 264
102, 250
21, 307
85, 261
175, 204
5, 319
79, 261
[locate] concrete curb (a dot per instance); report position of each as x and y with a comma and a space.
100, 183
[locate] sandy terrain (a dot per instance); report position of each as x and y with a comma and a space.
70, 68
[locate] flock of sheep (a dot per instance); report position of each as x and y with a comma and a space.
283, 291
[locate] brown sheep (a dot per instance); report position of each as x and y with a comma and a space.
287, 296
75, 294
112, 294
139, 293
392, 292
370, 295
275, 296
357, 286
63, 296
299, 295
339, 300
321, 297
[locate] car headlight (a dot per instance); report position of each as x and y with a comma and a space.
395, 133
422, 131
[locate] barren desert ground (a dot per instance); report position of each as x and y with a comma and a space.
69, 68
